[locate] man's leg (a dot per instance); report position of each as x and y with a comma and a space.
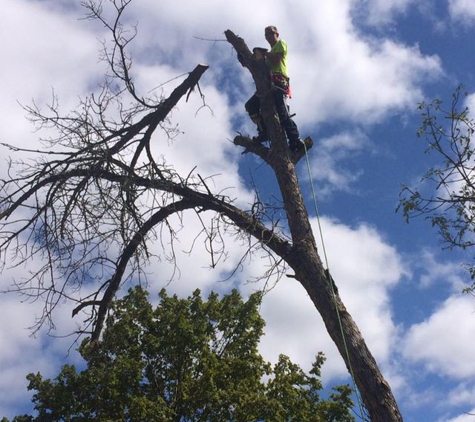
253, 107
289, 126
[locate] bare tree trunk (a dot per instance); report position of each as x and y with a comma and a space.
304, 259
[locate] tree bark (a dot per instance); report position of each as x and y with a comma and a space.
304, 258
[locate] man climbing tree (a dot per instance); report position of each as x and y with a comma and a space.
97, 199
276, 61
303, 256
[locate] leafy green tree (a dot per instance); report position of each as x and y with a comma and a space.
185, 360
446, 195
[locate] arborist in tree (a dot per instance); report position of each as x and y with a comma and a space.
276, 61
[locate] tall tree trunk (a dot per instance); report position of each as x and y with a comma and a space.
305, 261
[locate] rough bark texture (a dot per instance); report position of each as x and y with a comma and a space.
303, 257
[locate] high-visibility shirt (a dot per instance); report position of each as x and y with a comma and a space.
281, 67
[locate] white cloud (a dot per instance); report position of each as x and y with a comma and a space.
380, 12
205, 142
362, 261
466, 417
470, 103
435, 271
463, 395
462, 10
440, 342
364, 268
329, 164
46, 51
365, 81
336, 72
21, 354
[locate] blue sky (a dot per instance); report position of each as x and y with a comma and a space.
358, 71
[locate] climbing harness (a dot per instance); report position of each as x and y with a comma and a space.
333, 286
281, 82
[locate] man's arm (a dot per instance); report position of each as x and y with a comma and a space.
274, 58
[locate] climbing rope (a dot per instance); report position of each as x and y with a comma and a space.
330, 280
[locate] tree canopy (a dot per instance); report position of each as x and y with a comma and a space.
186, 360
446, 194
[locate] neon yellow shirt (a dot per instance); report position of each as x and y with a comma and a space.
281, 67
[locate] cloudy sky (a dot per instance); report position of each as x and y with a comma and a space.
358, 69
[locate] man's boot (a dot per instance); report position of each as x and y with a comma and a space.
296, 145
261, 129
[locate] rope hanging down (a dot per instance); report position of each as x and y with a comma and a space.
332, 284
